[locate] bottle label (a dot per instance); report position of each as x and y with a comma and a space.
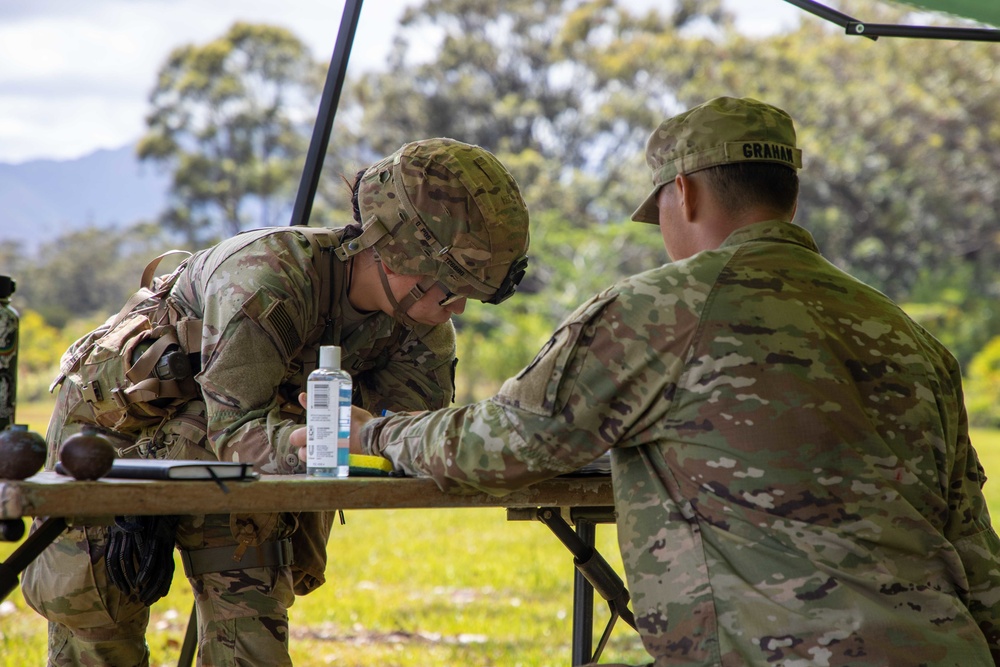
328, 425
322, 424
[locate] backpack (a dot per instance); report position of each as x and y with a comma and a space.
134, 370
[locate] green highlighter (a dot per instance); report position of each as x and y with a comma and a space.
363, 465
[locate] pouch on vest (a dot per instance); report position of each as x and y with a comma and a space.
134, 370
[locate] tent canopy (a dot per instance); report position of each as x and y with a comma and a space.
983, 11
986, 12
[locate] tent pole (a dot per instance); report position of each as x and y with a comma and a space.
873, 31
335, 78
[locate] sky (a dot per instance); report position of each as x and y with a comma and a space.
75, 74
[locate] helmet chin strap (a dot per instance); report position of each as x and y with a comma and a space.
400, 308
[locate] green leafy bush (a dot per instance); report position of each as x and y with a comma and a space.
982, 389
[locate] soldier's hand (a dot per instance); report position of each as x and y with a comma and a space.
359, 418
298, 442
298, 437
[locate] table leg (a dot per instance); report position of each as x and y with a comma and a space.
189, 649
583, 602
597, 574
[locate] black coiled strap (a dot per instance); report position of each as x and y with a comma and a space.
140, 555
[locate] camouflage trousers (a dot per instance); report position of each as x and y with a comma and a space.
242, 614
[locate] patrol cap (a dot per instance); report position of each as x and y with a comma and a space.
449, 210
724, 130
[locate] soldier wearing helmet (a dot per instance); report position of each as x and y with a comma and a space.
437, 222
416, 212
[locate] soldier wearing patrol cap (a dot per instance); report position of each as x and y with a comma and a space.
438, 222
793, 475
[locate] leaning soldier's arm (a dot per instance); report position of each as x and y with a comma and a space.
245, 421
588, 390
251, 333
419, 375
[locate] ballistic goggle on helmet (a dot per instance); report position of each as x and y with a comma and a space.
449, 211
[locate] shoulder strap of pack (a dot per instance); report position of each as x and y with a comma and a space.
168, 281
323, 240
330, 269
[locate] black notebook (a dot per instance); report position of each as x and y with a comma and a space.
184, 469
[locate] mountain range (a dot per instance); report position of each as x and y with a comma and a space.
44, 199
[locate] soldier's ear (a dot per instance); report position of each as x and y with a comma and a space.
687, 196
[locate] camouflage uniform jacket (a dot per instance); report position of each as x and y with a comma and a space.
261, 328
793, 474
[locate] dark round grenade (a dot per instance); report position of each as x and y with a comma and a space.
22, 452
87, 454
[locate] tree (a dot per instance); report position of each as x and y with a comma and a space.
230, 119
567, 265
899, 136
508, 76
568, 91
901, 144
40, 349
899, 174
90, 273
15, 263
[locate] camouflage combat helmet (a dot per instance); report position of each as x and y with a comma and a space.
446, 210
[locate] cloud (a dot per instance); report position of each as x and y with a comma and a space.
74, 76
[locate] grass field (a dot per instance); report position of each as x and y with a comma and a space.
408, 588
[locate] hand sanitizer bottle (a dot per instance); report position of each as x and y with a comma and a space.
328, 417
